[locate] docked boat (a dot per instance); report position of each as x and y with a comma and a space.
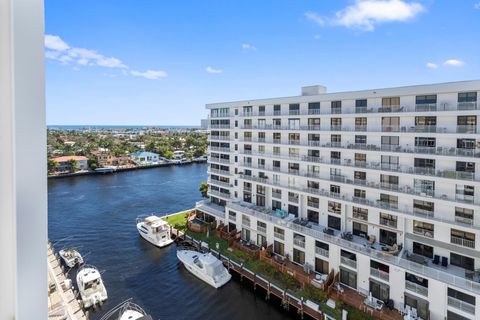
127, 310
71, 257
154, 230
91, 287
204, 266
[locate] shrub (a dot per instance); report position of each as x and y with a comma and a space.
314, 294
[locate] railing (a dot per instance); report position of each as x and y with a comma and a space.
219, 194
415, 287
423, 232
219, 160
218, 171
388, 222
219, 149
360, 216
299, 242
441, 151
219, 183
219, 115
293, 199
261, 229
220, 126
467, 198
322, 252
470, 129
379, 274
429, 107
279, 235
461, 305
276, 195
317, 233
348, 262
211, 208
462, 241
313, 204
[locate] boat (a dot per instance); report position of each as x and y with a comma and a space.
127, 310
154, 230
71, 257
91, 287
204, 266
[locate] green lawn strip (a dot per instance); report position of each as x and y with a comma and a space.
177, 220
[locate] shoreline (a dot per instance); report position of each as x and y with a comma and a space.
115, 170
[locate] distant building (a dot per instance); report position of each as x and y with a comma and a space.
63, 163
109, 159
145, 158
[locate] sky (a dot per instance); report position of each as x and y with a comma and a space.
152, 62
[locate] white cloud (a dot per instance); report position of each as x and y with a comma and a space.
366, 14
55, 43
477, 5
315, 18
213, 70
432, 65
453, 63
59, 50
247, 46
150, 74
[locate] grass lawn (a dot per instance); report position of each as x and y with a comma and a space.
177, 219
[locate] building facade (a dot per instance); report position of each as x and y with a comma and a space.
381, 186
145, 158
64, 164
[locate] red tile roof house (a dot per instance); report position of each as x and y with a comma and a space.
63, 163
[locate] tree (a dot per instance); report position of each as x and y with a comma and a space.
203, 189
73, 165
169, 154
52, 166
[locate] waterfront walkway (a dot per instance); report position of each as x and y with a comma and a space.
62, 303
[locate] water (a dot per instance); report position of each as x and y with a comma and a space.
99, 212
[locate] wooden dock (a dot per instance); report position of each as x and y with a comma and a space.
62, 303
287, 300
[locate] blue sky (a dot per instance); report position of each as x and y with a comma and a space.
159, 62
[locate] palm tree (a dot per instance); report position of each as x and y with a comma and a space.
73, 165
203, 189
52, 166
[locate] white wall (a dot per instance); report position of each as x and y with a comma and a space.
23, 169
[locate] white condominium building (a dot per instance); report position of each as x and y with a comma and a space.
381, 186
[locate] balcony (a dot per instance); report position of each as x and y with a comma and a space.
377, 273
216, 138
293, 112
279, 235
423, 232
462, 242
218, 171
313, 204
348, 262
461, 305
219, 149
277, 195
415, 287
220, 126
293, 199
219, 194
218, 160
465, 198
219, 183
452, 275
261, 229
219, 115
210, 208
423, 107
388, 222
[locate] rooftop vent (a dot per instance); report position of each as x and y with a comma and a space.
313, 90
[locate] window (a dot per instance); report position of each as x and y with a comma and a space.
423, 228
423, 249
334, 222
424, 187
276, 109
360, 159
336, 107
336, 123
390, 102
423, 207
360, 176
360, 213
360, 124
276, 205
388, 220
293, 124
379, 290
361, 139
458, 260
359, 194
463, 238
360, 229
464, 215
278, 248
427, 99
299, 256
461, 296
293, 210
348, 278
467, 97
294, 108
314, 123
313, 202
465, 166
312, 216
314, 108
389, 182
321, 266
389, 162
361, 103
390, 124
390, 141
466, 124
334, 207
424, 166
425, 142
335, 189
277, 123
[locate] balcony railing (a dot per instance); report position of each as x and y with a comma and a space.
429, 107
322, 252
293, 199
219, 149
462, 241
219, 194
461, 305
379, 274
220, 126
299, 242
388, 222
219, 183
279, 235
423, 232
276, 195
218, 160
261, 229
211, 208
218, 171
313, 204
348, 262
415, 287
317, 233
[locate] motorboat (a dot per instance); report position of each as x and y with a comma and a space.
91, 287
126, 310
71, 257
204, 266
155, 230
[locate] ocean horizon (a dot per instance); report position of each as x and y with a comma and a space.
97, 126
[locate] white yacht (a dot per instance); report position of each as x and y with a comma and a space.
205, 266
90, 286
71, 257
127, 310
154, 230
